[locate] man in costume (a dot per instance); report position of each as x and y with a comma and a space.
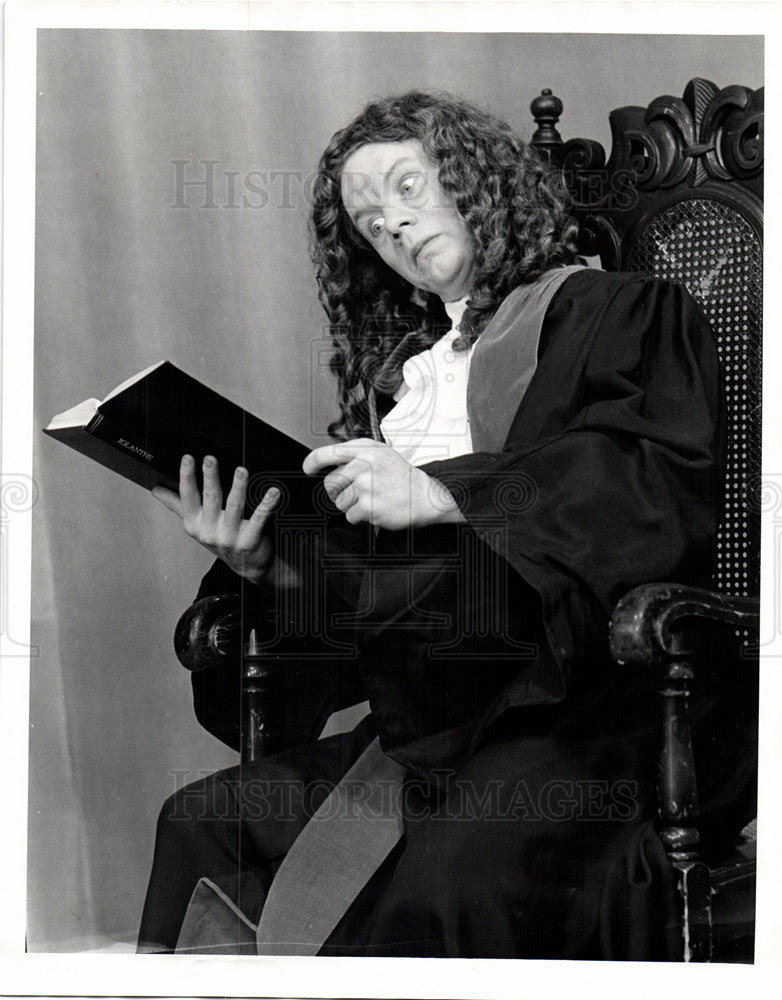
523, 440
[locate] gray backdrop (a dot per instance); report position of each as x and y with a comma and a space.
133, 267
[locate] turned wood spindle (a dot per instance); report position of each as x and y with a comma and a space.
256, 694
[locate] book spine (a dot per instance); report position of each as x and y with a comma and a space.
101, 428
149, 471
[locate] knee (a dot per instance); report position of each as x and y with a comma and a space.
199, 803
452, 864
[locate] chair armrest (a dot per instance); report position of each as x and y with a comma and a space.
647, 626
238, 677
207, 634
652, 627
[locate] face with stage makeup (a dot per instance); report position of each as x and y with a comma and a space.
424, 199
392, 195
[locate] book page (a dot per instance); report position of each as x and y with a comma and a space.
78, 416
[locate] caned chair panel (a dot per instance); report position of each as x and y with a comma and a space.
681, 198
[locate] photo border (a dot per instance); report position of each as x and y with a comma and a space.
88, 974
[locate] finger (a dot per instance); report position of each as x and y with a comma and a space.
213, 492
253, 528
266, 506
344, 501
234, 504
188, 489
337, 454
168, 498
322, 458
356, 514
337, 481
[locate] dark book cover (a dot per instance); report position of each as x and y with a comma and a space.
142, 431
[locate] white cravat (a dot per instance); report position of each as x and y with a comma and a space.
429, 421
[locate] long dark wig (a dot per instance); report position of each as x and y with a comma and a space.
515, 207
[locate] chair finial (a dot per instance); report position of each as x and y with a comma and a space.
546, 110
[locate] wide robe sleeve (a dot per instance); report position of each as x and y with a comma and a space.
315, 673
612, 473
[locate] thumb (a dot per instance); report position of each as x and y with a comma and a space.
168, 498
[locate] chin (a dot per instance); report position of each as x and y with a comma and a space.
443, 280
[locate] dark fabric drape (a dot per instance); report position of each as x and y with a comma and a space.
611, 476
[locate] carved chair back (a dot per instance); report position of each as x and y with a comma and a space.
681, 198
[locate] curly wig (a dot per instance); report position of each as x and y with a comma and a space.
516, 209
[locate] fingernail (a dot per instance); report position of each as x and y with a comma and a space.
273, 494
187, 461
241, 473
209, 462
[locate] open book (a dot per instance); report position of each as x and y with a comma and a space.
145, 425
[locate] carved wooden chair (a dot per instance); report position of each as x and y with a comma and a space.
680, 197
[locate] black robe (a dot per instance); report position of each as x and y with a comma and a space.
483, 651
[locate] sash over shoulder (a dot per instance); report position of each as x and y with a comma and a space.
505, 358
360, 822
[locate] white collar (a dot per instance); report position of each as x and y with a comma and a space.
455, 310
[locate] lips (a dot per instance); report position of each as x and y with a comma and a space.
421, 244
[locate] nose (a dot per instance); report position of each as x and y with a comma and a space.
397, 218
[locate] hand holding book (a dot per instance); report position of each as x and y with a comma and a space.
143, 428
240, 542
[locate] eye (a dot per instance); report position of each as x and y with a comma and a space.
410, 184
376, 226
